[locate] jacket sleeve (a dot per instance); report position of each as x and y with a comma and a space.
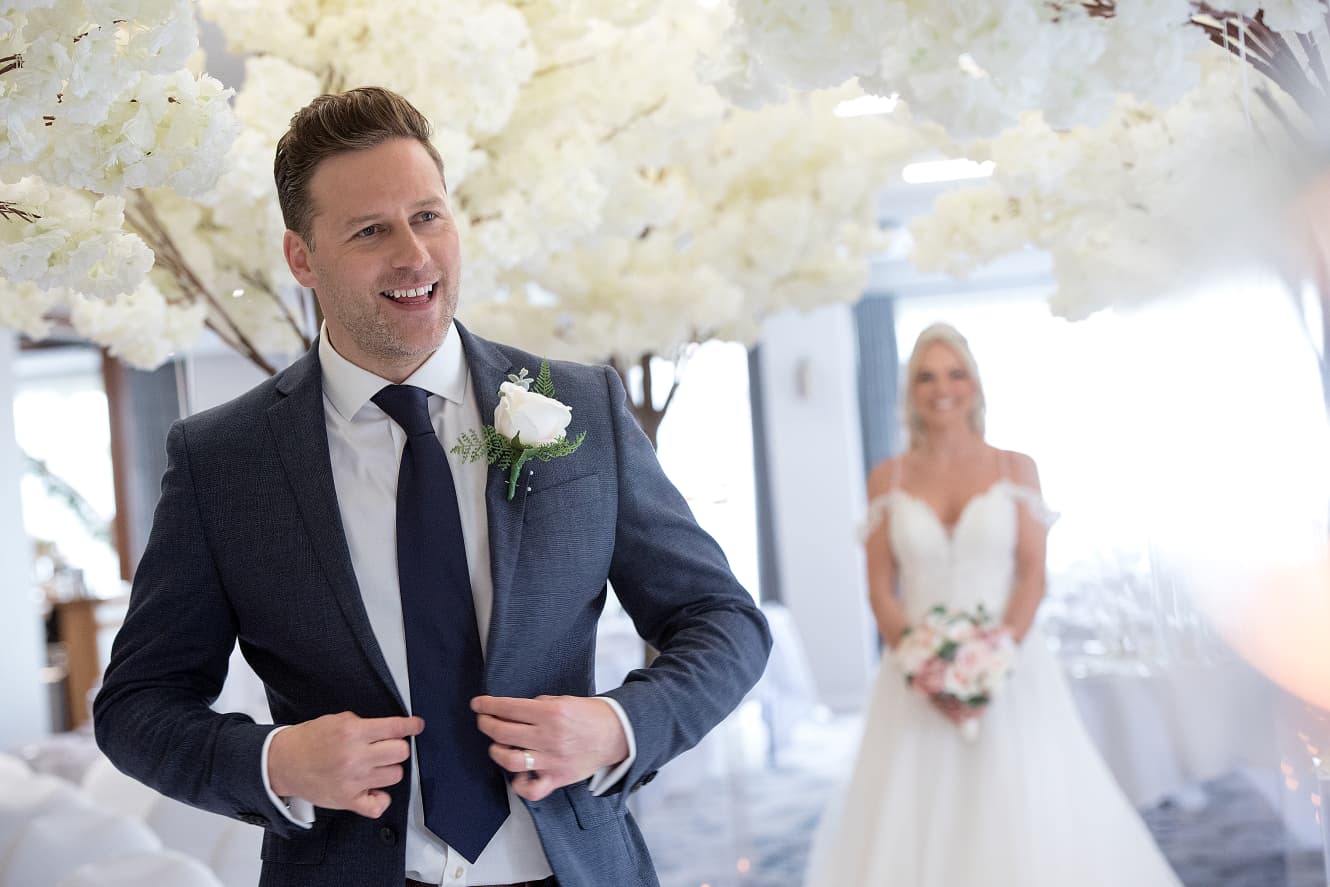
675, 584
152, 716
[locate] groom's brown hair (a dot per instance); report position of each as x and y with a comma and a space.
335, 124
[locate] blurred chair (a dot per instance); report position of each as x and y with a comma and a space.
786, 690
67, 755
164, 868
12, 768
235, 860
52, 846
112, 790
27, 797
228, 847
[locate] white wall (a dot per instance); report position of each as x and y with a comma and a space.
214, 377
24, 707
812, 432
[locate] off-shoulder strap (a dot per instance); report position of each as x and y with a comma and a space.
878, 509
1034, 503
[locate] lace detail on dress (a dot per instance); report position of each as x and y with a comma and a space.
1035, 504
878, 508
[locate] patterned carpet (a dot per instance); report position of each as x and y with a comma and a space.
753, 825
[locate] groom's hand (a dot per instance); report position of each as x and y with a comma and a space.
567, 739
341, 761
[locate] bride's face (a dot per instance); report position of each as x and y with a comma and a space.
942, 388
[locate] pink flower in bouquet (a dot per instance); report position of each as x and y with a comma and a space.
980, 665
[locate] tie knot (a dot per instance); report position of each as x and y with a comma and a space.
408, 406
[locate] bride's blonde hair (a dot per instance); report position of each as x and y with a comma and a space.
948, 335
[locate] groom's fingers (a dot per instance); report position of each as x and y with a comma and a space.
371, 803
508, 732
508, 708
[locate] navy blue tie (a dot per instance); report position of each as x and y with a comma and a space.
462, 789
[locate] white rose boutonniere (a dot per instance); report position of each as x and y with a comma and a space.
528, 424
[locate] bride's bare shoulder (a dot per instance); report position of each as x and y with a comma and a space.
881, 477
1022, 469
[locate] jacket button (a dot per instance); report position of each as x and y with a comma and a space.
388, 836
643, 781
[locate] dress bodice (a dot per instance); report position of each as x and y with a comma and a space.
970, 563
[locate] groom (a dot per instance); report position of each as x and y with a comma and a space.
426, 637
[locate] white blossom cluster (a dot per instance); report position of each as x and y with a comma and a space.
95, 101
975, 68
535, 146
1127, 209
98, 98
764, 211
74, 240
142, 328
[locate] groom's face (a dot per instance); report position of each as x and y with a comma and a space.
384, 258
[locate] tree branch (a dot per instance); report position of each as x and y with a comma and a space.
143, 216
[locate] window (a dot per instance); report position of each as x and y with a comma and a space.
1187, 432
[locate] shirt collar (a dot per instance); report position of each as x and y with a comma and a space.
349, 387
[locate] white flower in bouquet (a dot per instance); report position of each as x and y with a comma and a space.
916, 647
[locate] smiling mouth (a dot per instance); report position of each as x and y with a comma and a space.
411, 293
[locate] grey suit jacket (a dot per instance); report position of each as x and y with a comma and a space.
247, 545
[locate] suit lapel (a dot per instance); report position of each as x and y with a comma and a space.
299, 429
489, 368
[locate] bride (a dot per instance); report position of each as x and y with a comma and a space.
1025, 801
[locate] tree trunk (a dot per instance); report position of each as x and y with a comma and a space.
648, 415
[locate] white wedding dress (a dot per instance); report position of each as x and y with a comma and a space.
1029, 802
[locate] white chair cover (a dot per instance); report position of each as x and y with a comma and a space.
164, 868
12, 768
236, 861
53, 845
187, 829
23, 800
108, 788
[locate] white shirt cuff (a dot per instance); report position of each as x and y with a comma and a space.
606, 777
298, 810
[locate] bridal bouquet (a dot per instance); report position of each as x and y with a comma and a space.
959, 655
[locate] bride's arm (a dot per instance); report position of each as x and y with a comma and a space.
1031, 539
887, 609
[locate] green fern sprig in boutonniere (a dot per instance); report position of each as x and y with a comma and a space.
528, 424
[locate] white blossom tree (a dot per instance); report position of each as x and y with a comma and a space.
760, 212
600, 223
95, 102
1137, 141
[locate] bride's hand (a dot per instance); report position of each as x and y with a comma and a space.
956, 712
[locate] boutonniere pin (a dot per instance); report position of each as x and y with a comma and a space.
528, 424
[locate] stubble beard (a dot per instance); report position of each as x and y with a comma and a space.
378, 338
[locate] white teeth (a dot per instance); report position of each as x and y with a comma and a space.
406, 294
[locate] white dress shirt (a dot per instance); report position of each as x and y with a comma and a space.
365, 447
